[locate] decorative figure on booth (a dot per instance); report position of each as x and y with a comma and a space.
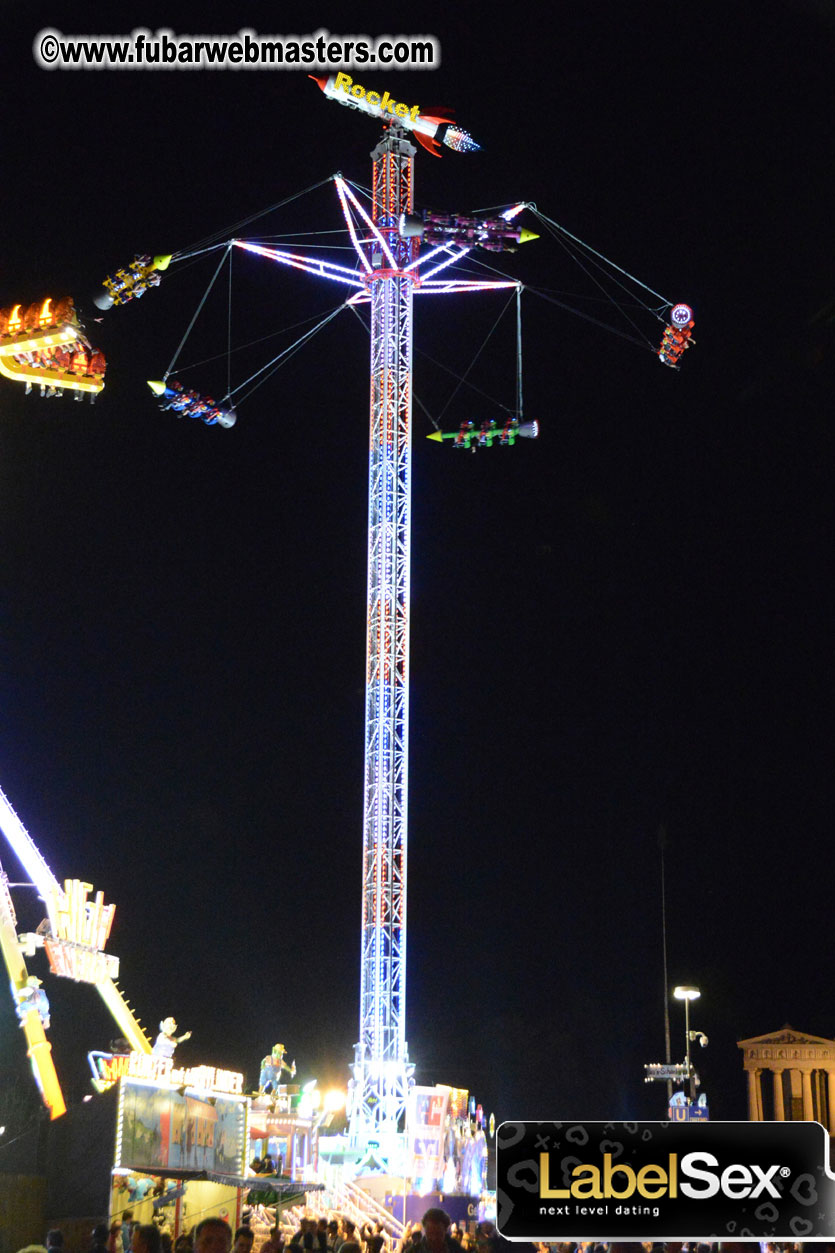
449, 1181
476, 1179
138, 1189
32, 996
166, 1042
271, 1068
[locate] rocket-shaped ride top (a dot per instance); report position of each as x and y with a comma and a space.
430, 130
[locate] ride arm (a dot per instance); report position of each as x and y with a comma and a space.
126, 1020
39, 1048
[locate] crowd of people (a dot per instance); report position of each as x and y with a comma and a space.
56, 362
436, 1233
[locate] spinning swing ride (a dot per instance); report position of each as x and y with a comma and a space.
399, 254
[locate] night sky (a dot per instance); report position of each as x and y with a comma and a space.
624, 625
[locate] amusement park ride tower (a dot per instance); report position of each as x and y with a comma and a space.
381, 1070
391, 273
399, 255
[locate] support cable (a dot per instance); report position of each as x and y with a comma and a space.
587, 317
197, 312
519, 352
447, 370
203, 245
229, 335
252, 343
555, 226
475, 263
478, 353
283, 357
593, 279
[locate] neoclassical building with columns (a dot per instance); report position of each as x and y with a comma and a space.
801, 1086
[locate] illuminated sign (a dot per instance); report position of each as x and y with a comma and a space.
425, 1119
162, 1128
82, 929
378, 104
664, 1181
685, 1112
680, 315
458, 1101
107, 1068
661, 1070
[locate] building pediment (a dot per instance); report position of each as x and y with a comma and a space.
785, 1036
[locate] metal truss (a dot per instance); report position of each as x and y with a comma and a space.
381, 1069
388, 276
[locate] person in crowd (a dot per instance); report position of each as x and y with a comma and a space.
99, 1236
372, 1238
379, 1230
487, 1238
350, 1243
127, 1230
213, 1235
145, 1238
275, 1242
305, 1237
55, 1240
436, 1236
411, 1237
334, 1238
244, 1240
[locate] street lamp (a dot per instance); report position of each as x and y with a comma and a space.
688, 994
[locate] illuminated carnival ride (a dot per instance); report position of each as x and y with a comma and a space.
397, 253
130, 282
43, 345
73, 936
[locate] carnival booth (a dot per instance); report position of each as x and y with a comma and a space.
181, 1141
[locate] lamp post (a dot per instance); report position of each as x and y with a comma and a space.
687, 994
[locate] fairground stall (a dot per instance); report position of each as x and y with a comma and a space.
183, 1144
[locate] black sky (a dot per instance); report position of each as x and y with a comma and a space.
626, 624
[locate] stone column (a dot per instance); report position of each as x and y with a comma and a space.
754, 1100
808, 1103
779, 1113
830, 1102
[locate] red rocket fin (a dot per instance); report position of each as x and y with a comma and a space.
431, 145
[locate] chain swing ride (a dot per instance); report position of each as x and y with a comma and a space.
398, 254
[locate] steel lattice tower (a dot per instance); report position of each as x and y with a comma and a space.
391, 272
381, 1069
